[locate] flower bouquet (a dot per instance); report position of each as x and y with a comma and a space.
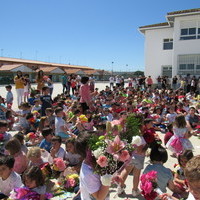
58, 166
109, 152
148, 185
69, 182
46, 171
25, 193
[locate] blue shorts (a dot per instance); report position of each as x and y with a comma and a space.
63, 135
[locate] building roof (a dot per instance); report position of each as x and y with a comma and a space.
46, 69
170, 19
89, 72
9, 67
73, 71
155, 25
24, 61
189, 11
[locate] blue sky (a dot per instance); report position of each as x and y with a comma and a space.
92, 33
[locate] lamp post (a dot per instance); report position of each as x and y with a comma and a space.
112, 68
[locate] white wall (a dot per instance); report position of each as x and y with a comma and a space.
155, 56
182, 47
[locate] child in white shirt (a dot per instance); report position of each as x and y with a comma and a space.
8, 178
57, 151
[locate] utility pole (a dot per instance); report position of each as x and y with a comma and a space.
112, 68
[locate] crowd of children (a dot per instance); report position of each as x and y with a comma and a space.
32, 137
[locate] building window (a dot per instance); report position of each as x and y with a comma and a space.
198, 33
189, 64
182, 66
198, 67
167, 70
167, 44
189, 33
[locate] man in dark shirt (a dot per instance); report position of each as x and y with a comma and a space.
46, 100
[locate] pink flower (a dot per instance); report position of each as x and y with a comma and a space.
147, 187
102, 161
124, 156
152, 175
60, 164
115, 122
115, 146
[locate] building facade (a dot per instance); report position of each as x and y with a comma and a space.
173, 47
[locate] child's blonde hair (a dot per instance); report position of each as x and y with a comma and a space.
192, 169
34, 152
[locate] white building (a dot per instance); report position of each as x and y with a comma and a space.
173, 47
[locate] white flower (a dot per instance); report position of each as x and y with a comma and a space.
137, 140
98, 152
106, 179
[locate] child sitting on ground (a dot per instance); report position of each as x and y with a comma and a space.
46, 142
158, 157
8, 178
34, 180
4, 136
35, 157
13, 147
22, 124
71, 156
20, 137
179, 177
57, 151
61, 128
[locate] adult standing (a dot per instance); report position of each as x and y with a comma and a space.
85, 99
40, 80
19, 86
92, 82
111, 80
50, 84
174, 83
149, 82
159, 80
65, 82
117, 81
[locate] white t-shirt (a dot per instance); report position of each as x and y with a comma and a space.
73, 158
89, 182
171, 117
59, 122
111, 79
61, 153
13, 181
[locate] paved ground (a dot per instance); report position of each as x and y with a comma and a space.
170, 163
